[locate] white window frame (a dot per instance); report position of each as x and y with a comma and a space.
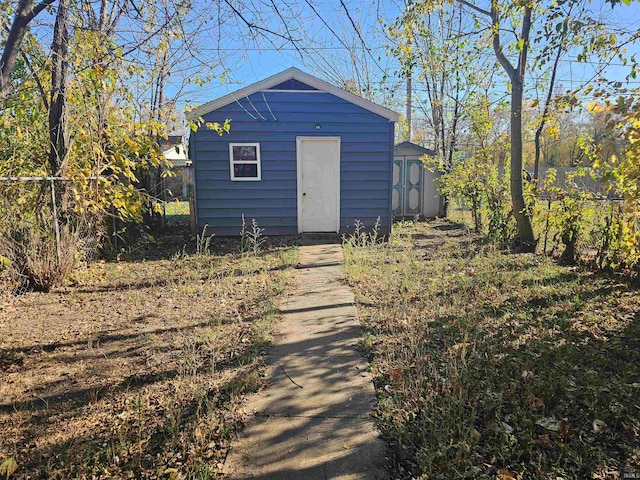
233, 162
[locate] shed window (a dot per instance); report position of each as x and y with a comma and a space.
245, 161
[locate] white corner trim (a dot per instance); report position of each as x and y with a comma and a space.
296, 74
299, 180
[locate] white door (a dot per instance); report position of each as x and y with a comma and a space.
318, 184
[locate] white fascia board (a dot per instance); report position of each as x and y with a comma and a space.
292, 73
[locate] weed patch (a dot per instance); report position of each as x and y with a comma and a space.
490, 365
136, 368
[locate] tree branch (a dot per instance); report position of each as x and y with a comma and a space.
253, 26
25, 12
357, 30
37, 9
524, 36
497, 46
475, 7
43, 94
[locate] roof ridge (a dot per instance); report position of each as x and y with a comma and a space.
297, 74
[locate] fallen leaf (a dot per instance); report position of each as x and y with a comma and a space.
504, 474
598, 426
549, 423
534, 401
8, 467
508, 428
565, 429
543, 441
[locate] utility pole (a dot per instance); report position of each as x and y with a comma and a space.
409, 104
409, 75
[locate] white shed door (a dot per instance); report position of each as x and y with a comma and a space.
318, 184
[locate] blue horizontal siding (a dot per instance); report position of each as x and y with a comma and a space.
350, 195
285, 108
293, 84
274, 143
352, 168
264, 222
368, 186
363, 176
245, 188
249, 211
267, 175
365, 169
308, 127
300, 116
222, 231
228, 194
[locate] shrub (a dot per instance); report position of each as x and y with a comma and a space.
477, 183
34, 257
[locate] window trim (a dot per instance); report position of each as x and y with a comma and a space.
233, 162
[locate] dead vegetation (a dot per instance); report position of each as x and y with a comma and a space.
136, 368
490, 365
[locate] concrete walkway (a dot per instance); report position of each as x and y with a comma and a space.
312, 421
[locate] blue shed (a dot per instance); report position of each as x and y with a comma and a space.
302, 156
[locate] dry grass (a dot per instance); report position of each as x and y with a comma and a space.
137, 368
490, 365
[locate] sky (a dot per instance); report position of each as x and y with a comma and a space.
255, 63
319, 44
223, 47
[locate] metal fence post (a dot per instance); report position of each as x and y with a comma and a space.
56, 226
546, 228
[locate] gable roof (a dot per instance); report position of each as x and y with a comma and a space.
416, 147
177, 155
293, 74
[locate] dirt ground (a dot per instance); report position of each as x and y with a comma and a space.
136, 368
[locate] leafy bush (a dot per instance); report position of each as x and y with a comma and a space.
623, 174
569, 212
477, 183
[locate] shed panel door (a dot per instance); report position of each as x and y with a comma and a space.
319, 185
407, 186
398, 187
412, 187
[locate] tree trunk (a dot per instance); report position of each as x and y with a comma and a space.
526, 240
525, 231
57, 112
536, 161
